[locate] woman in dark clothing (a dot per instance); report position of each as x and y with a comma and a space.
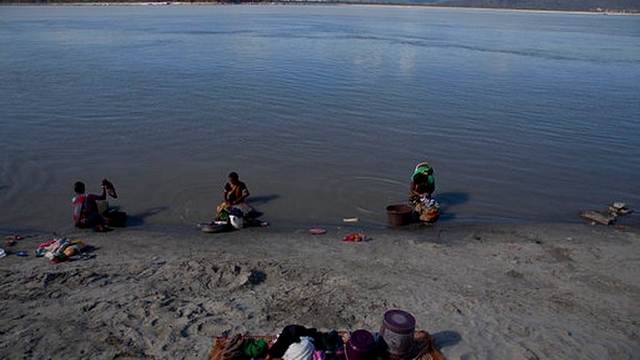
235, 191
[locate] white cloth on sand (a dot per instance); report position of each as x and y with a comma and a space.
302, 350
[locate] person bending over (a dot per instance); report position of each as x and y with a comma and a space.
423, 185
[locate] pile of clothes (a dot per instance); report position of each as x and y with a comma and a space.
295, 342
236, 217
63, 249
230, 216
428, 208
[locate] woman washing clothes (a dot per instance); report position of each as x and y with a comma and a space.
234, 195
423, 184
235, 192
86, 211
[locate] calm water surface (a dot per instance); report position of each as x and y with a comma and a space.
323, 111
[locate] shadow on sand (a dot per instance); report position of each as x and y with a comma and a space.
138, 219
261, 200
445, 339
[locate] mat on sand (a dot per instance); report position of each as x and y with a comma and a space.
423, 348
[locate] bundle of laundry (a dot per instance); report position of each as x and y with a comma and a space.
63, 249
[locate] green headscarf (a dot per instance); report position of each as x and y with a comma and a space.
425, 170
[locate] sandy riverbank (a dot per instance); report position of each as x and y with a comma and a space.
485, 292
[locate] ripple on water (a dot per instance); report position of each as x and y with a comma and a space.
381, 191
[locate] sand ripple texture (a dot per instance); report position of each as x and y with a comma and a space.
499, 292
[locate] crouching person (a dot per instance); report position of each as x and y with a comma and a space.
92, 211
234, 210
86, 213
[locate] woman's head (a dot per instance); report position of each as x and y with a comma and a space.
421, 178
78, 187
233, 177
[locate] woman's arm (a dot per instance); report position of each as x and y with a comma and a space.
102, 196
245, 194
413, 190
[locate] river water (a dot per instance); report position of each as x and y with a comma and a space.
322, 110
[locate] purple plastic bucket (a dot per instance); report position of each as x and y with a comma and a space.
360, 345
397, 331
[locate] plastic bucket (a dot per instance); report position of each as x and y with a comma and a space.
397, 331
360, 345
398, 215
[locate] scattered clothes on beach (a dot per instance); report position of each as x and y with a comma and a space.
63, 249
255, 348
297, 342
289, 335
4, 253
301, 350
11, 240
355, 237
233, 350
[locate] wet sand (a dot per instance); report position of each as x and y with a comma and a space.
501, 291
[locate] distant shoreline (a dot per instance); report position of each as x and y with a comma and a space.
294, 3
